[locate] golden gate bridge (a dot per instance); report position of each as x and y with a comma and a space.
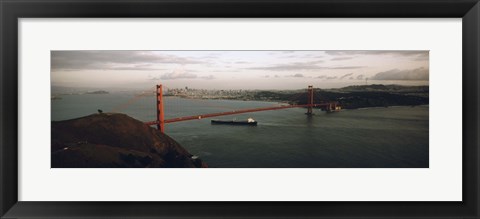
161, 121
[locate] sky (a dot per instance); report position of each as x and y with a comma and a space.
237, 69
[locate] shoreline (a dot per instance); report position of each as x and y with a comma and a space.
393, 106
267, 101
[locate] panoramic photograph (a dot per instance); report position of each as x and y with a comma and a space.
239, 109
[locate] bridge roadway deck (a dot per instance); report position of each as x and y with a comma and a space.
203, 116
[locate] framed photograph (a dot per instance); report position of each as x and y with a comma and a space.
239, 109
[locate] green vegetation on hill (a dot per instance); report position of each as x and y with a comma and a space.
353, 97
384, 88
354, 100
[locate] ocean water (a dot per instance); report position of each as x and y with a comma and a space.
393, 137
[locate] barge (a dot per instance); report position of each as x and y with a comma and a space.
249, 121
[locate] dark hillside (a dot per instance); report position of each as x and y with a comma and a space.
363, 99
115, 140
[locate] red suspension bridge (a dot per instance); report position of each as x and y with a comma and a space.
161, 121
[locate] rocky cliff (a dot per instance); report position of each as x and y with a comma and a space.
108, 140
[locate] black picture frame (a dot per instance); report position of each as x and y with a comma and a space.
12, 10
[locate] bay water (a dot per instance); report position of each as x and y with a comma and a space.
393, 137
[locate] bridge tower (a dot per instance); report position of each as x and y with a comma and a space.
160, 112
310, 100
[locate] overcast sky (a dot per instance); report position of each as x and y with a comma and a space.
237, 69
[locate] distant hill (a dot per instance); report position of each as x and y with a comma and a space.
115, 140
67, 90
359, 96
385, 88
98, 92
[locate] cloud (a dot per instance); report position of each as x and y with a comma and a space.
277, 76
377, 52
113, 60
292, 66
313, 56
296, 76
341, 58
212, 55
346, 67
226, 70
177, 74
418, 74
416, 55
297, 66
422, 58
209, 77
360, 77
325, 77
344, 76
146, 67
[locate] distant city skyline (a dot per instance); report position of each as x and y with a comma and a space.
287, 69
